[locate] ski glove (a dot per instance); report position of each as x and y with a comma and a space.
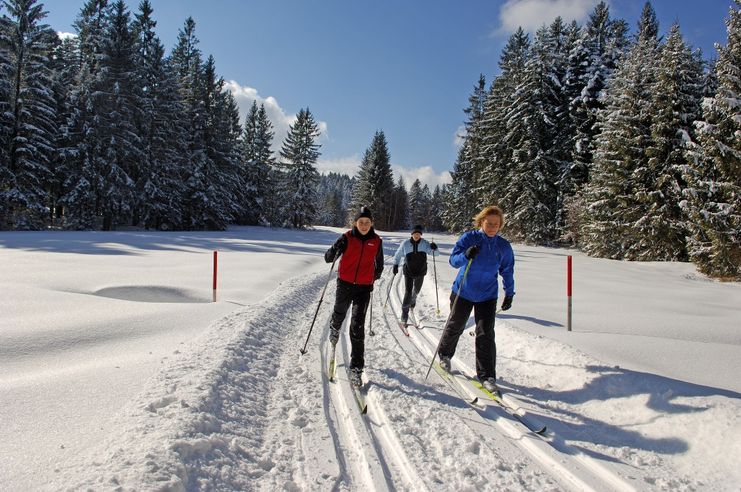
506, 303
471, 252
396, 269
433, 246
340, 245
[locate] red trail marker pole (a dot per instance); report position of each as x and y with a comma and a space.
215, 272
568, 291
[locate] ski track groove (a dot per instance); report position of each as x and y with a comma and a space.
372, 456
555, 456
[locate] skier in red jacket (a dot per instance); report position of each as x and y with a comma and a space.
360, 265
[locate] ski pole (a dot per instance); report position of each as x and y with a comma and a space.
452, 309
321, 298
388, 293
434, 269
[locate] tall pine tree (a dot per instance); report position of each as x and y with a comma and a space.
660, 232
462, 199
300, 177
374, 183
621, 169
713, 194
30, 116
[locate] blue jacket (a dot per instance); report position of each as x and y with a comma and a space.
495, 258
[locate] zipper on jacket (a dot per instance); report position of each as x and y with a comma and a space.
360, 258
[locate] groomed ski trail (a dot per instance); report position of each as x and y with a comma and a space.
571, 468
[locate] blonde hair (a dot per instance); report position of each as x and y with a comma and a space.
490, 210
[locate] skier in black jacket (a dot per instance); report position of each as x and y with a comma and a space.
413, 252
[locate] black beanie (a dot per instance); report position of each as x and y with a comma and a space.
364, 212
417, 228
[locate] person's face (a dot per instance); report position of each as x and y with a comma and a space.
416, 236
363, 224
491, 224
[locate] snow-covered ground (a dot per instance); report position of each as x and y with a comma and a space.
118, 372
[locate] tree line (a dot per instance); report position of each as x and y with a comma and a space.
104, 129
624, 146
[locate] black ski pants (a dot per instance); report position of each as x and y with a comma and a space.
412, 286
359, 296
486, 347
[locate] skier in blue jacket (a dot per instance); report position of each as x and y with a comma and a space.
486, 255
413, 252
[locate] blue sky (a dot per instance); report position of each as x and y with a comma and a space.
402, 66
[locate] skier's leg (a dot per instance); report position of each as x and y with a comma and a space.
418, 281
406, 302
343, 297
486, 347
361, 300
455, 326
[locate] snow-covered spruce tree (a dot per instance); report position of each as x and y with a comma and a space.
461, 200
419, 203
257, 161
529, 193
6, 179
65, 69
400, 204
334, 193
30, 118
493, 168
83, 185
116, 101
158, 187
713, 193
660, 232
592, 62
202, 200
620, 170
266, 175
435, 220
375, 183
300, 178
221, 141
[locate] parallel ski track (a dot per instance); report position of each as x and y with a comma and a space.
369, 453
568, 466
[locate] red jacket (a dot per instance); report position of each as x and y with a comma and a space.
362, 260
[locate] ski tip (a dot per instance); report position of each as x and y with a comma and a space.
364, 410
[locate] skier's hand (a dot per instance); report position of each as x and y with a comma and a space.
396, 269
340, 245
506, 303
471, 252
433, 246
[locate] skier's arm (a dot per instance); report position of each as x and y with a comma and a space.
458, 256
399, 255
379, 262
507, 271
336, 249
427, 247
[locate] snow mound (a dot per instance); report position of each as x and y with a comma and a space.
150, 293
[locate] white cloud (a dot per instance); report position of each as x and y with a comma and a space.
281, 121
351, 165
343, 165
531, 14
66, 35
425, 174
460, 137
